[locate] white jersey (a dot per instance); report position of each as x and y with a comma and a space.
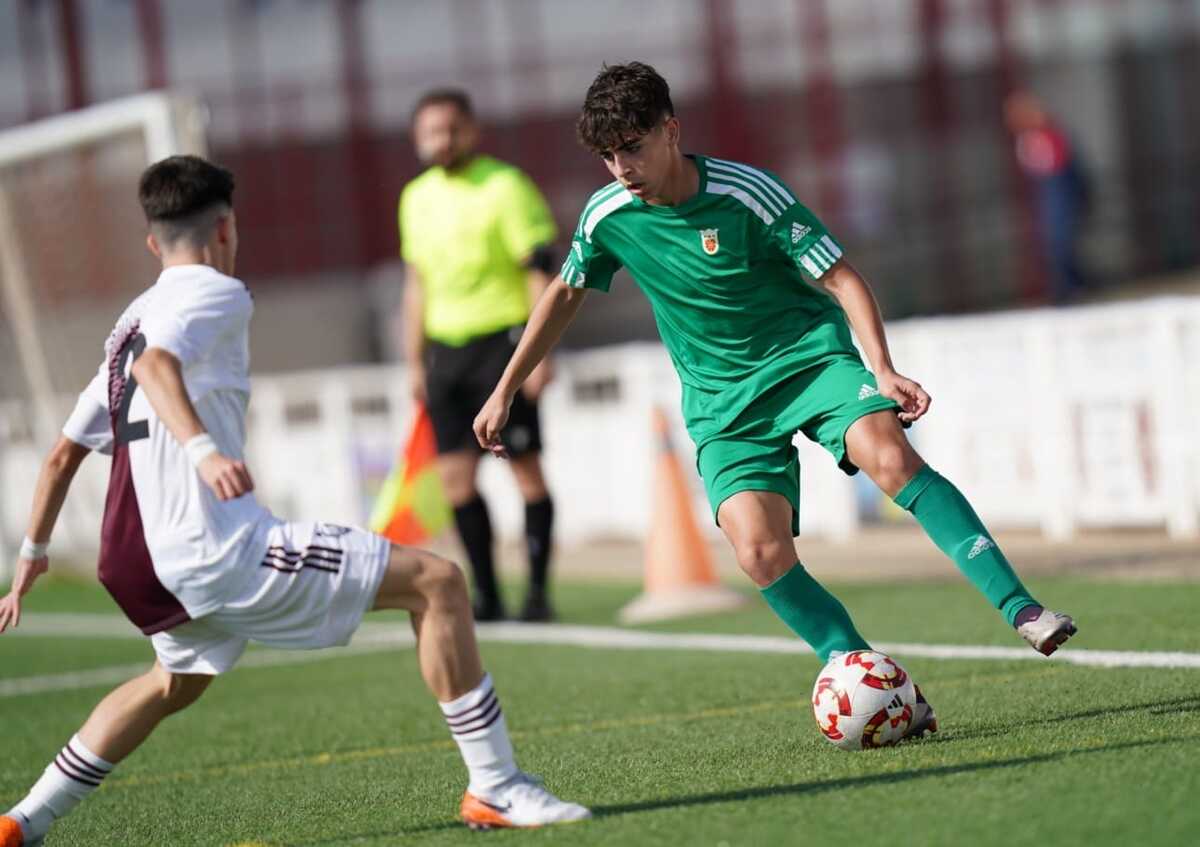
170, 550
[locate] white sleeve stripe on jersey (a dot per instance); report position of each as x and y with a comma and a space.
756, 187
822, 256
830, 245
601, 195
576, 279
772, 184
750, 203
811, 267
753, 189
604, 210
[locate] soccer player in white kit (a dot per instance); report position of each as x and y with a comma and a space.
197, 563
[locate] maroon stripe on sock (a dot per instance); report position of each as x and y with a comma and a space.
63, 765
83, 764
473, 713
468, 731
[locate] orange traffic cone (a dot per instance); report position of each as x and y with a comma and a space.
680, 578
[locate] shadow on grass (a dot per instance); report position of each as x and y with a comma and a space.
1168, 706
824, 786
793, 790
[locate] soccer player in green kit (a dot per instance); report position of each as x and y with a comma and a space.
726, 255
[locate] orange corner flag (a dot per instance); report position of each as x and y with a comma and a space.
679, 578
412, 507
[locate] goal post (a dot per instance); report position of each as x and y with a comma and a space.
72, 255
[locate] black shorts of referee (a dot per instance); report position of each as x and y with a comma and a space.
459, 381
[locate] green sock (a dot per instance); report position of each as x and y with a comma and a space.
813, 613
949, 520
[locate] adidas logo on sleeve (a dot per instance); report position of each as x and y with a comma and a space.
982, 543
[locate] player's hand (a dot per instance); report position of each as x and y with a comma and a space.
10, 606
490, 422
542, 375
227, 478
913, 399
418, 383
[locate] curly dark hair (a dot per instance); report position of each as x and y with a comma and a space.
624, 101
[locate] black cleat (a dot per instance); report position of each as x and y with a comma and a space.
489, 611
537, 609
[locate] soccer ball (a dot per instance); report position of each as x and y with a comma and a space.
863, 699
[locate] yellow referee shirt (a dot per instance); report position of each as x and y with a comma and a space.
469, 233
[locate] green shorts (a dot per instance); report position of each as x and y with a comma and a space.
755, 452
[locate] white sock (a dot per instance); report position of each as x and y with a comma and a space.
74, 774
478, 727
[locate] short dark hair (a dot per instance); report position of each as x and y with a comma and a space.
623, 101
444, 97
182, 197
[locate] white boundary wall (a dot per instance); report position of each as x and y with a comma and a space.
1051, 419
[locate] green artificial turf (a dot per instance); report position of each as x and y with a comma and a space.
667, 747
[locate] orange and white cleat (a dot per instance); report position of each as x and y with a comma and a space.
11, 834
521, 802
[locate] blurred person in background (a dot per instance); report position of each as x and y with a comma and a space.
1049, 158
476, 238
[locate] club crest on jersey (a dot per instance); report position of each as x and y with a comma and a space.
709, 241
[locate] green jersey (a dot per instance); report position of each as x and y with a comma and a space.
725, 273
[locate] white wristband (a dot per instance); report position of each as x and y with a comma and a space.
199, 447
32, 549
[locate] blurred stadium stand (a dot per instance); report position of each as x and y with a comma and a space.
885, 118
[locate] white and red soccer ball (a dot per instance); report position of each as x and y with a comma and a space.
862, 700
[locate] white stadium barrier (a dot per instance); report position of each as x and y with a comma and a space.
1051, 419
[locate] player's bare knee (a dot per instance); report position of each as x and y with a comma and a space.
443, 583
185, 689
764, 560
527, 470
177, 691
893, 465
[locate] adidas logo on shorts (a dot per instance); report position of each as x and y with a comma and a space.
867, 391
981, 543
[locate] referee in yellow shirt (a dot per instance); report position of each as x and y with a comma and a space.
476, 237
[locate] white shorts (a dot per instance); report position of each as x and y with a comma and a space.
310, 591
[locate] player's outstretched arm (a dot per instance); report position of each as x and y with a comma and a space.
552, 314
857, 300
53, 483
538, 281
160, 375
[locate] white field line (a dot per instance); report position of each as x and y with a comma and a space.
374, 637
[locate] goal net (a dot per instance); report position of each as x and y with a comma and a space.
72, 255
